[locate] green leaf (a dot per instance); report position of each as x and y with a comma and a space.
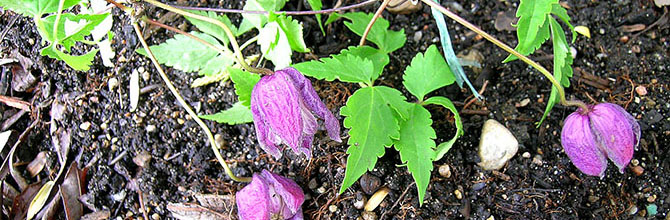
532, 28
81, 63
332, 18
274, 44
258, 20
238, 114
189, 55
71, 28
372, 127
427, 73
562, 14
293, 31
379, 58
345, 67
387, 40
443, 148
244, 84
562, 64
316, 6
35, 8
416, 147
213, 29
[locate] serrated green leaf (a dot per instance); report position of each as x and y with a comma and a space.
443, 148
275, 45
416, 145
258, 20
71, 29
562, 64
35, 8
344, 67
562, 14
387, 40
372, 127
332, 18
316, 6
189, 55
379, 58
213, 29
244, 84
533, 28
206, 80
427, 73
238, 114
81, 62
293, 31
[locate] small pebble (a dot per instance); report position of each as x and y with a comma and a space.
369, 216
623, 39
601, 31
537, 160
635, 48
312, 184
155, 216
417, 36
458, 194
632, 210
634, 162
218, 139
151, 128
652, 209
445, 171
146, 76
103, 126
496, 145
332, 208
573, 52
321, 190
641, 90
651, 198
525, 155
359, 204
31, 41
112, 83
85, 126
491, 218
369, 183
638, 170
180, 121
593, 199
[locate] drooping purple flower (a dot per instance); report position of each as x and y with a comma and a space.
283, 106
270, 196
604, 131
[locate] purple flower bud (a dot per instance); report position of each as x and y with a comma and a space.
283, 106
270, 196
605, 131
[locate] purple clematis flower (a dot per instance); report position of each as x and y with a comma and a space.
270, 196
283, 106
605, 131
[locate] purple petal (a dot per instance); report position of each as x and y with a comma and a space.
314, 103
291, 194
263, 132
580, 145
633, 123
307, 140
253, 200
298, 215
278, 103
613, 133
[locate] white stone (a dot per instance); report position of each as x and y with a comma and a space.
496, 145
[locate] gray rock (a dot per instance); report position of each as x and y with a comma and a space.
496, 145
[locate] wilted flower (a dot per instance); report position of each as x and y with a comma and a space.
604, 131
283, 106
270, 196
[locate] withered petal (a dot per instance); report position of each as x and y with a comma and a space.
613, 132
580, 145
253, 201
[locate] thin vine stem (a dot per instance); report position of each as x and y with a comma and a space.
545, 72
237, 11
372, 21
221, 50
229, 33
188, 109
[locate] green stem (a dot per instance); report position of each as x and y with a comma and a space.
58, 14
229, 33
545, 72
221, 50
190, 111
372, 21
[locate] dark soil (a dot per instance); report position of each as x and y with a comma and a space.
544, 185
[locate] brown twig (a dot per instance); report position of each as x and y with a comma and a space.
372, 22
481, 92
325, 11
398, 200
14, 102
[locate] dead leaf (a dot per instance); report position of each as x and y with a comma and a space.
404, 6
20, 205
15, 102
4, 138
35, 166
40, 199
142, 158
134, 90
8, 193
61, 142
99, 215
632, 28
71, 191
186, 211
219, 203
504, 21
22, 79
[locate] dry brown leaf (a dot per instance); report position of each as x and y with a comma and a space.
219, 203
99, 215
185, 211
21, 202
36, 166
71, 191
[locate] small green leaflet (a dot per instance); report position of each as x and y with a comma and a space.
188, 55
533, 26
238, 114
81, 62
354, 64
387, 40
293, 31
416, 145
443, 148
36, 8
372, 127
244, 84
258, 20
213, 29
316, 6
562, 64
427, 73
562, 14
71, 28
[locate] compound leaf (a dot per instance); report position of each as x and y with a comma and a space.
244, 84
443, 148
238, 114
416, 145
213, 29
258, 20
36, 8
426, 73
372, 127
346, 67
562, 14
71, 27
316, 6
293, 31
533, 26
562, 64
387, 40
81, 62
